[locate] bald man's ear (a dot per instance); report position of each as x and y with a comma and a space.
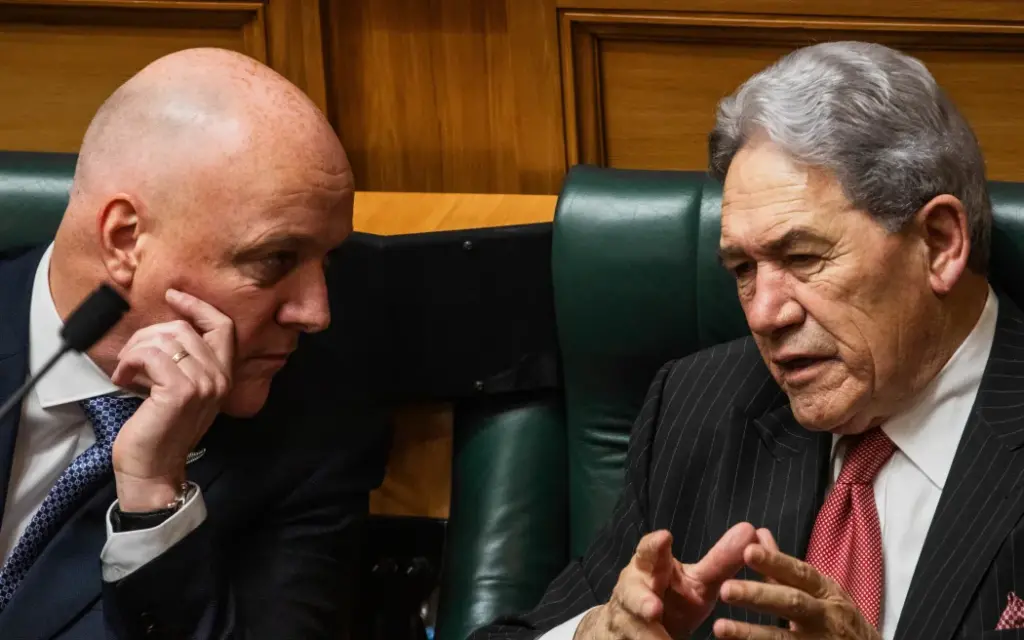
119, 234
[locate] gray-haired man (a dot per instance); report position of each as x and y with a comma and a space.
849, 471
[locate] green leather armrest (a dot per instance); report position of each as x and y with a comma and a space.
508, 525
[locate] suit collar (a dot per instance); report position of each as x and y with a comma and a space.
75, 376
770, 413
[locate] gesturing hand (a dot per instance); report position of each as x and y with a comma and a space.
816, 606
184, 398
658, 597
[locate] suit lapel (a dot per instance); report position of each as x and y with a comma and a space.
793, 478
982, 499
16, 278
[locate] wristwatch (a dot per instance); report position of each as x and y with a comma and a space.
121, 521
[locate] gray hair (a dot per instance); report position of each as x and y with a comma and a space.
876, 119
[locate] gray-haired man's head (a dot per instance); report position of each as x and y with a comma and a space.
856, 220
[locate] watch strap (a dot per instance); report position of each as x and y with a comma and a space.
122, 521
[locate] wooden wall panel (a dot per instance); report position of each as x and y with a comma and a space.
59, 59
448, 95
640, 89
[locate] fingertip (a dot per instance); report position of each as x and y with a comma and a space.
723, 628
754, 554
742, 532
766, 538
728, 591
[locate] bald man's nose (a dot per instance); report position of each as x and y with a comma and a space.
308, 309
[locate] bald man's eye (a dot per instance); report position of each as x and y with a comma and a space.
271, 268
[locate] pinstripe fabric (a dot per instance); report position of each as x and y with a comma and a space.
716, 443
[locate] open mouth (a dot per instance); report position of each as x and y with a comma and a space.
802, 369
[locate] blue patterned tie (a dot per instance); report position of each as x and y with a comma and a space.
107, 414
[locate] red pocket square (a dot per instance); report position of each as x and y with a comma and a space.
1013, 614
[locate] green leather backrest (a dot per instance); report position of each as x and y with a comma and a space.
637, 283
33, 195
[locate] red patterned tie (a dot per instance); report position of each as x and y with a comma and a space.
846, 543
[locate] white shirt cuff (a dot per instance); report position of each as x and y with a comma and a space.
567, 629
126, 551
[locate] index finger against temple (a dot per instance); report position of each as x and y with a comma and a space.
217, 329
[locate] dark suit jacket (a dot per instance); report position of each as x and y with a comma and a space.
285, 493
716, 444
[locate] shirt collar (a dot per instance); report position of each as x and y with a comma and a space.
929, 431
75, 376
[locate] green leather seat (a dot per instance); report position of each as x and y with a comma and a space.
636, 283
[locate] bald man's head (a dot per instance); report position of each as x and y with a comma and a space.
210, 173
199, 110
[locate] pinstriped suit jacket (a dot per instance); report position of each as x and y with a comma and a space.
716, 444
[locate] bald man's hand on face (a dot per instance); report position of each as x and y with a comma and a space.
184, 397
658, 598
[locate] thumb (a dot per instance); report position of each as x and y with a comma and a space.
725, 559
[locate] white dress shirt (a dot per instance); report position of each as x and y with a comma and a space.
908, 487
54, 430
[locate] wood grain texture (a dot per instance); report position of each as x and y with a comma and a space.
447, 95
993, 10
395, 213
295, 41
62, 58
640, 89
418, 478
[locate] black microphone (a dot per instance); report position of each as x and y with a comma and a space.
89, 322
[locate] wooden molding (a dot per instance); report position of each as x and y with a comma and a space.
992, 10
284, 34
585, 32
248, 17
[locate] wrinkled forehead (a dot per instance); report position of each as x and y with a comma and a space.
767, 197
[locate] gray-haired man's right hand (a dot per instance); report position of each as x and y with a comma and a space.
658, 598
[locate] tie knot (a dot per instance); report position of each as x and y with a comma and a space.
865, 458
108, 414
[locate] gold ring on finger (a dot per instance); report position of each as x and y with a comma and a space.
181, 355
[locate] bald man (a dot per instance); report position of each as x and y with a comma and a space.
148, 491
